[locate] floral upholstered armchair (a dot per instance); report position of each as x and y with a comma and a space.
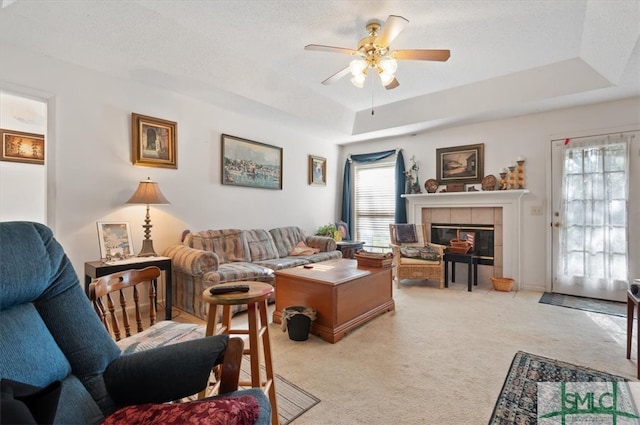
413, 256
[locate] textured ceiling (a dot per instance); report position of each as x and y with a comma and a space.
507, 57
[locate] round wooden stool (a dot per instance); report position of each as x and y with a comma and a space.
255, 299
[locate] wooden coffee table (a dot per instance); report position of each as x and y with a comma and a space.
344, 295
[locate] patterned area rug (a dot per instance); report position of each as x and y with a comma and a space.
589, 304
517, 403
292, 400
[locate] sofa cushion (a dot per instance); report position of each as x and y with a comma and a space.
228, 244
233, 272
424, 252
243, 410
283, 263
285, 238
322, 256
261, 246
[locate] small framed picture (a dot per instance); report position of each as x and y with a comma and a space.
153, 141
461, 164
22, 147
317, 170
115, 240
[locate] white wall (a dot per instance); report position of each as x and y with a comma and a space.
91, 176
22, 185
530, 136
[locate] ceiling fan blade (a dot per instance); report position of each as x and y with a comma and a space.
390, 30
392, 85
335, 77
422, 55
331, 49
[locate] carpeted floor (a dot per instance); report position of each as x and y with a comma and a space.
517, 402
587, 304
293, 401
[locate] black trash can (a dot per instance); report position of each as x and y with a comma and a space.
297, 321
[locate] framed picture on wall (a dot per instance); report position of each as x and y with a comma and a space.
115, 240
153, 141
18, 146
460, 164
317, 170
252, 164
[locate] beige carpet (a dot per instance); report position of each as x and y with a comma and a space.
442, 356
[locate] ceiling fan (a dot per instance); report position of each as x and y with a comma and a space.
373, 53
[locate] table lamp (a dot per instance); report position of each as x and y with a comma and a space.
147, 193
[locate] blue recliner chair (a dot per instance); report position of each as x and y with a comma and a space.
51, 336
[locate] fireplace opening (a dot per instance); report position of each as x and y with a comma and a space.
482, 235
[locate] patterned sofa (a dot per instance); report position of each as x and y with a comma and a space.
211, 257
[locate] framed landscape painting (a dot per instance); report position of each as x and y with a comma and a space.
115, 240
317, 170
251, 164
18, 146
153, 141
460, 164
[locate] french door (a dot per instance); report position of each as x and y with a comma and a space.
590, 217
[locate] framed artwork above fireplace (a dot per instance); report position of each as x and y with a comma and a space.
460, 164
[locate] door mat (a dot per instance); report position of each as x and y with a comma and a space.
518, 400
613, 308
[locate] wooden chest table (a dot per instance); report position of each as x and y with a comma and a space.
344, 295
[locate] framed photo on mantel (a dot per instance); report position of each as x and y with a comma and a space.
460, 164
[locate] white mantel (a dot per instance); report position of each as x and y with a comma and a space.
508, 200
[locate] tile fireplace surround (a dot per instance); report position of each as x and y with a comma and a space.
509, 201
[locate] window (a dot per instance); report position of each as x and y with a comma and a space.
374, 203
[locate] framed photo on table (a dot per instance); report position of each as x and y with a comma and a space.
115, 240
18, 146
252, 164
317, 170
153, 141
460, 164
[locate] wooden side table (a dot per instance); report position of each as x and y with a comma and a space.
632, 303
95, 269
349, 248
255, 299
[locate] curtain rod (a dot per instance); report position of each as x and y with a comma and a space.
631, 134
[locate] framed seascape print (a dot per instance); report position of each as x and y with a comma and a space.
252, 164
22, 147
153, 141
317, 170
461, 164
115, 240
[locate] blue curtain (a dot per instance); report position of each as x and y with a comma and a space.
401, 205
401, 210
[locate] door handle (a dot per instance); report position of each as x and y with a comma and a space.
556, 224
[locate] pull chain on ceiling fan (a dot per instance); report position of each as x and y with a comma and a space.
373, 53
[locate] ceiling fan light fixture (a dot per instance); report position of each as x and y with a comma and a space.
386, 78
357, 67
358, 80
388, 65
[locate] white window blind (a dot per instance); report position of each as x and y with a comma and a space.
374, 203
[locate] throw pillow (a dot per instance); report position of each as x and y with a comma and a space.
423, 253
344, 230
242, 410
302, 249
406, 233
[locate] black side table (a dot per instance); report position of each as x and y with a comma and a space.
472, 273
349, 248
95, 269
